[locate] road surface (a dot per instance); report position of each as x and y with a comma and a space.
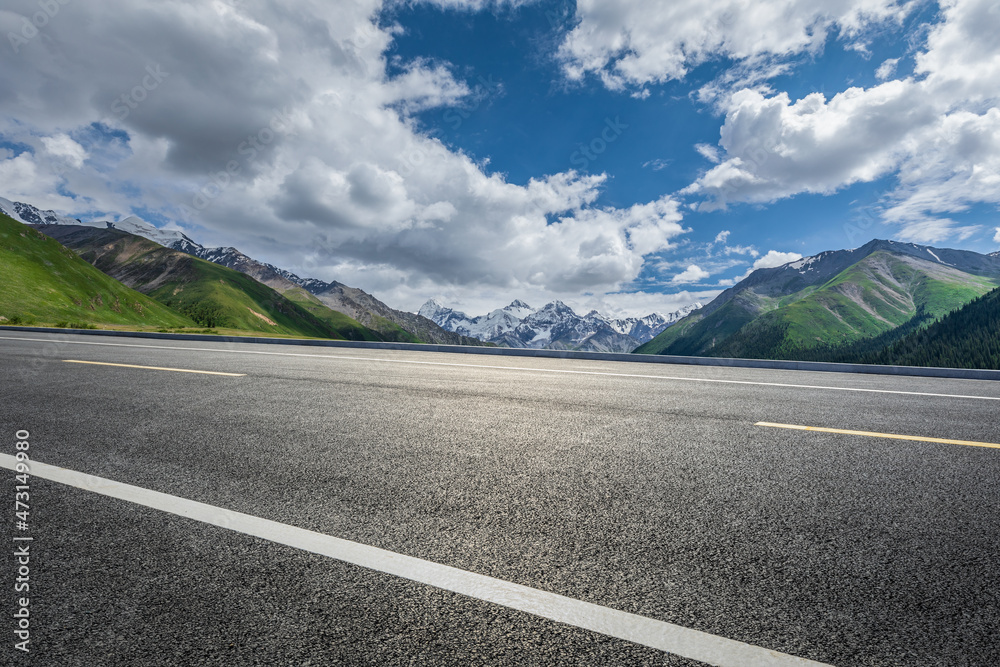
650, 492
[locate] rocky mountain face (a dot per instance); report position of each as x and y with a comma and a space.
556, 326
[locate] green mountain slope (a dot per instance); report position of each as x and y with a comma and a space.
966, 338
43, 282
210, 294
347, 327
831, 300
386, 323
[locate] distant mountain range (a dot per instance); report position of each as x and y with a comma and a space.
316, 296
555, 327
885, 302
811, 308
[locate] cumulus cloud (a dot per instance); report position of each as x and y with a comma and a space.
633, 42
996, 237
277, 128
64, 148
692, 274
936, 132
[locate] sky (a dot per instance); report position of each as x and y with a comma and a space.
626, 155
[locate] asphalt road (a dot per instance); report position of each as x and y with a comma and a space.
644, 488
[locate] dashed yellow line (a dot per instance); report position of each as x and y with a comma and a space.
153, 368
872, 434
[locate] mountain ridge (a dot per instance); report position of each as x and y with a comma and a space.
309, 293
212, 295
554, 326
832, 298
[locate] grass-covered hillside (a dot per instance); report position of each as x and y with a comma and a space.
210, 294
44, 283
788, 312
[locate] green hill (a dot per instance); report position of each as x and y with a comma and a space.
825, 303
350, 328
45, 283
210, 294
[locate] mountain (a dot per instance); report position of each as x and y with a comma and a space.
30, 215
43, 282
833, 298
555, 326
644, 329
489, 327
965, 338
389, 322
210, 294
315, 296
286, 284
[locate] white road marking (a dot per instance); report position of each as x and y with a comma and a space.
152, 368
668, 637
336, 357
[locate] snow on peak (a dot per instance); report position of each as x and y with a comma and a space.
30, 215
136, 225
432, 310
554, 325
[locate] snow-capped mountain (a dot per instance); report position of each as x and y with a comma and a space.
139, 227
646, 328
555, 326
488, 327
31, 215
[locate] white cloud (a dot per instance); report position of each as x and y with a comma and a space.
656, 165
886, 69
777, 148
331, 177
936, 132
774, 258
692, 274
722, 236
634, 42
996, 237
710, 153
64, 148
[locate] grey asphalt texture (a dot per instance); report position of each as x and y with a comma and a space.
655, 496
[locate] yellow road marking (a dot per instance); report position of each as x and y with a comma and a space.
153, 368
872, 434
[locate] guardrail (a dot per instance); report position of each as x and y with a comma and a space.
916, 371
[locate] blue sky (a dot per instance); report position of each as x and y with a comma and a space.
626, 155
